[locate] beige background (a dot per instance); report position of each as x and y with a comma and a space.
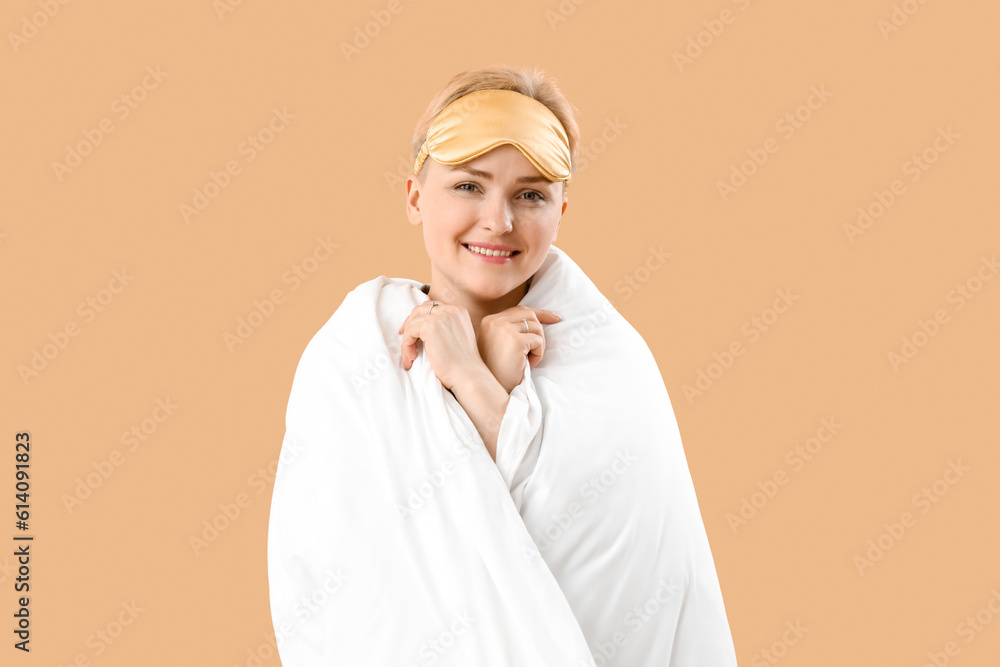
330, 173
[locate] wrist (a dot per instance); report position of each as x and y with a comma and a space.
476, 377
485, 402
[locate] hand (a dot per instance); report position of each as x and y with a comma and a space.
503, 343
449, 342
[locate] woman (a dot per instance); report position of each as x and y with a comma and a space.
468, 477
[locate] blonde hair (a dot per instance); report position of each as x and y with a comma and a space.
532, 82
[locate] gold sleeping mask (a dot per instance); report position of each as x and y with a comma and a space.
476, 123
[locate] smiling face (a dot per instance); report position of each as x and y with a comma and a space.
497, 201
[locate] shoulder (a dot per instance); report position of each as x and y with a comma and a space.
358, 327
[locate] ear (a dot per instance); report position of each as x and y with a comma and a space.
413, 201
562, 211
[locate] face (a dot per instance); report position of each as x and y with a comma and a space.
497, 200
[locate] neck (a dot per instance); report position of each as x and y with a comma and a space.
479, 309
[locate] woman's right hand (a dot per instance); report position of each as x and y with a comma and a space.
449, 342
503, 343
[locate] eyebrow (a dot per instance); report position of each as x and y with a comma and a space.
489, 177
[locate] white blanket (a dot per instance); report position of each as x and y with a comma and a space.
394, 538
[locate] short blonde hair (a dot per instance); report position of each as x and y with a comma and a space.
529, 81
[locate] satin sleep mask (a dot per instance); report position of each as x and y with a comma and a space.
476, 123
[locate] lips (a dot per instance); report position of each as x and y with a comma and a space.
500, 260
491, 251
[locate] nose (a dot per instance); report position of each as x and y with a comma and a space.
497, 215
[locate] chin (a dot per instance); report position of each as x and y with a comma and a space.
488, 293
492, 291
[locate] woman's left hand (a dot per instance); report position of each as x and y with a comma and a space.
503, 343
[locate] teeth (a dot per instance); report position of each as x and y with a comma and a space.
490, 253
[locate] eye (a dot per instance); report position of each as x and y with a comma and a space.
534, 196
461, 186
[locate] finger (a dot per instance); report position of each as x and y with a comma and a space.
405, 343
408, 346
537, 348
405, 322
546, 316
417, 310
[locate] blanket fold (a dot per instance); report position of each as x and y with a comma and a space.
394, 538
